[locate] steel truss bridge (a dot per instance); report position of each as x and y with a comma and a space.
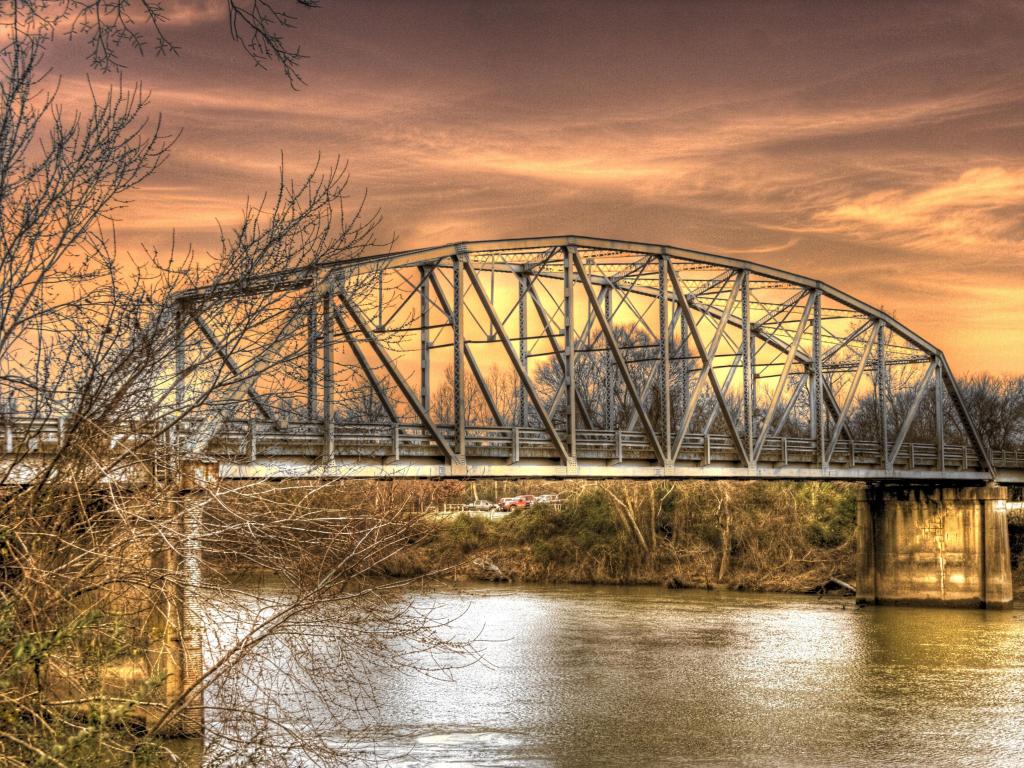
567, 357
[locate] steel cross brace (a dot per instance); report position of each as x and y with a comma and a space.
393, 372
706, 374
470, 357
619, 360
908, 419
514, 357
364, 364
560, 357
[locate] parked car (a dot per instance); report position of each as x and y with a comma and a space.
481, 505
548, 498
515, 502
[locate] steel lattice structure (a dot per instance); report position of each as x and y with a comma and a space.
569, 356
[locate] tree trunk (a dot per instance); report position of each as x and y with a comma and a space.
723, 566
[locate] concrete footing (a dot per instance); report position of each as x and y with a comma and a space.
943, 546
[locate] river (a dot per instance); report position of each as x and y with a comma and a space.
610, 676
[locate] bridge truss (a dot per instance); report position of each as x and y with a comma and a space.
568, 357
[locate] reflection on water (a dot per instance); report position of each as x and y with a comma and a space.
583, 676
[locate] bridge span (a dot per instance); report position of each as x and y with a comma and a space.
579, 357
573, 356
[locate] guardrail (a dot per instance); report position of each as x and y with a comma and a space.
253, 440
250, 439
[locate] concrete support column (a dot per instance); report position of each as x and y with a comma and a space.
946, 546
179, 657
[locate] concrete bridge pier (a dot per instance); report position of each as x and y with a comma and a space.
179, 651
933, 545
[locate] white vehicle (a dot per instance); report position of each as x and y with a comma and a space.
548, 498
481, 505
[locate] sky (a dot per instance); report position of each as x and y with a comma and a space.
876, 146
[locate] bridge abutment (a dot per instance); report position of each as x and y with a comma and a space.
933, 545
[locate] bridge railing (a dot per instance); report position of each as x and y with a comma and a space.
1013, 459
251, 439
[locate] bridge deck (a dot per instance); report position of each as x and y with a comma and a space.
250, 449
264, 449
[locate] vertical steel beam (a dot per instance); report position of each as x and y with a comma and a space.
458, 354
665, 339
327, 337
609, 385
882, 396
311, 366
425, 338
747, 359
940, 419
380, 300
523, 344
684, 347
817, 384
569, 348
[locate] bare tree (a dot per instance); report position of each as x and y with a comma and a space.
997, 405
101, 525
260, 27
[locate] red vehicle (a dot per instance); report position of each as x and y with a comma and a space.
515, 502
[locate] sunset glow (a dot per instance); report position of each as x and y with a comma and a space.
877, 148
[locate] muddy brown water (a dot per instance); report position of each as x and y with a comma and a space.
638, 676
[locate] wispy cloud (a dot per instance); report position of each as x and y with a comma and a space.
980, 209
873, 151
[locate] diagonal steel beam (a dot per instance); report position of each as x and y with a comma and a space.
581, 406
839, 347
735, 366
649, 383
922, 387
249, 379
790, 403
200, 437
471, 359
965, 417
707, 355
707, 373
783, 375
364, 364
619, 360
393, 372
514, 357
851, 396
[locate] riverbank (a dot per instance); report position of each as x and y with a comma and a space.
776, 537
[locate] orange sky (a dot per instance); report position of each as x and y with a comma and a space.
876, 146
